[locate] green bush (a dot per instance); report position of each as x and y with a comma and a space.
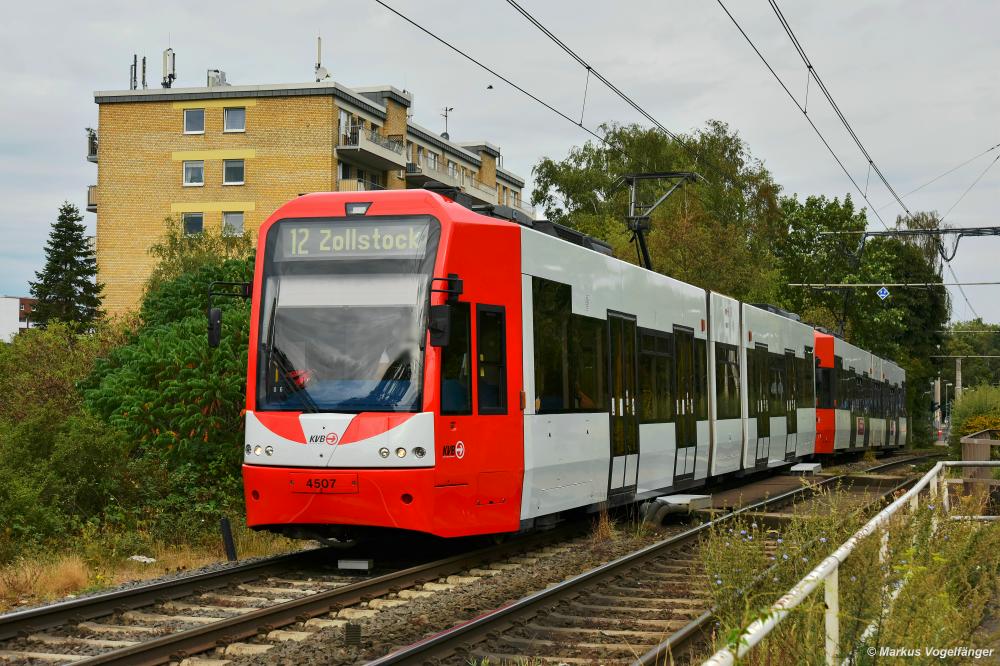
115, 439
977, 409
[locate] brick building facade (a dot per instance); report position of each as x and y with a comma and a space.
233, 154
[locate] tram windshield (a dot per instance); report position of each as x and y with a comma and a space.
343, 314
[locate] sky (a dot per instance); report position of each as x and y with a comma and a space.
916, 80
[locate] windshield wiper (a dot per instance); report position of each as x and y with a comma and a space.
278, 359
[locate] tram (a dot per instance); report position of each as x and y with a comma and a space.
419, 363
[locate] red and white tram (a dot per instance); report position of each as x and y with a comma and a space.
417, 365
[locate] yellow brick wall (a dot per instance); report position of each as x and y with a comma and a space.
395, 123
292, 140
488, 169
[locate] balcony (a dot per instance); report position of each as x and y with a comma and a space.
527, 210
420, 173
480, 191
370, 149
91, 145
357, 185
92, 198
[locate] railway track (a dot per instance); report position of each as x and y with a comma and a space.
279, 599
639, 608
245, 609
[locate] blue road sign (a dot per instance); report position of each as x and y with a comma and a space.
882, 293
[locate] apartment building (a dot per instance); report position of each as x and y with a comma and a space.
15, 316
225, 157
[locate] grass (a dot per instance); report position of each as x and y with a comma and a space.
97, 565
605, 528
945, 580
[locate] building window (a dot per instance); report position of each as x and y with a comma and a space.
432, 160
194, 173
232, 223
194, 121
194, 223
456, 364
232, 172
235, 119
345, 171
420, 155
492, 351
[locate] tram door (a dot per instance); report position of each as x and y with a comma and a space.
685, 420
762, 381
791, 404
624, 404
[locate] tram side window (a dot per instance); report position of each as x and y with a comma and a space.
753, 382
825, 387
776, 382
456, 364
570, 353
700, 379
656, 377
491, 348
807, 382
837, 388
727, 381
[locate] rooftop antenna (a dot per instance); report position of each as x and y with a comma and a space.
447, 110
132, 84
321, 71
144, 73
169, 68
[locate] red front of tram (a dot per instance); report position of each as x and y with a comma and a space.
384, 371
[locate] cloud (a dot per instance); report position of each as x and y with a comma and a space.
916, 79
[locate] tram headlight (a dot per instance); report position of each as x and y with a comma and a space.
269, 450
401, 452
419, 451
249, 449
257, 450
384, 452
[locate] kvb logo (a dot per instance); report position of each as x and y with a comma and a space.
456, 450
329, 438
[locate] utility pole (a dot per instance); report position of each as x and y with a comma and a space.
958, 377
938, 420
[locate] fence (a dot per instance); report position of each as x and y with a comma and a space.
826, 572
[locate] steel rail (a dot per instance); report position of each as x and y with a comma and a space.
99, 605
659, 654
450, 641
206, 637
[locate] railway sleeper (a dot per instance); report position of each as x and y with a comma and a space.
625, 649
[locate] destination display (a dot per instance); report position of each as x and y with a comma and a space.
388, 239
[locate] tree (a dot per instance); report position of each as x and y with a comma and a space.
808, 255
716, 234
178, 253
906, 326
67, 289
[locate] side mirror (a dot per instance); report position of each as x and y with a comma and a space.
439, 325
214, 326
